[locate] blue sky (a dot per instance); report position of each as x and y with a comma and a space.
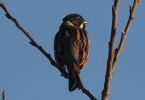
27, 75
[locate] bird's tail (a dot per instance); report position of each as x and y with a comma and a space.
74, 80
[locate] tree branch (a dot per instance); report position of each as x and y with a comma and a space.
4, 95
32, 41
108, 76
35, 44
114, 54
125, 32
88, 93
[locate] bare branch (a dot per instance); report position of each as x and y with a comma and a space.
88, 94
115, 53
4, 95
125, 32
108, 76
35, 44
32, 41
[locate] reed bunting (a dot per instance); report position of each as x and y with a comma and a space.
71, 48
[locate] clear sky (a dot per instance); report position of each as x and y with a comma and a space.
27, 75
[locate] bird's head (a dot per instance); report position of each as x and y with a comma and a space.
75, 20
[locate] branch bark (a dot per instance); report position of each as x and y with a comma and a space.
114, 54
39, 47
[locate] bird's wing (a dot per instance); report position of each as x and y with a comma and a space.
59, 49
84, 48
64, 47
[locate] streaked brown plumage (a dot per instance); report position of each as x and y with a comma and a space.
71, 48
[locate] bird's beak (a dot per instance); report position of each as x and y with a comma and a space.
85, 22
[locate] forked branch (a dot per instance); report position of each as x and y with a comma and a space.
119, 49
113, 53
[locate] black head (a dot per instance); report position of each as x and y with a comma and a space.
75, 20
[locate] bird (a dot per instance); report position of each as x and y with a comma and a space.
71, 48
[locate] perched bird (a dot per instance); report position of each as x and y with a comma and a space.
71, 48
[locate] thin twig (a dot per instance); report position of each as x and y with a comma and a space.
88, 94
108, 76
125, 32
32, 41
115, 53
4, 95
35, 44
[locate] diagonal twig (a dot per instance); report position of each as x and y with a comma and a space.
35, 44
32, 41
114, 54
